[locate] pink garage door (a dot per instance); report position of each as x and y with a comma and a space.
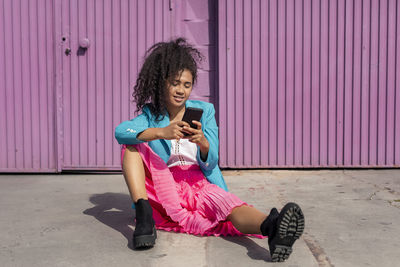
95, 84
309, 83
63, 94
27, 117
100, 45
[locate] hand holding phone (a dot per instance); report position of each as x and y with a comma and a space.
190, 115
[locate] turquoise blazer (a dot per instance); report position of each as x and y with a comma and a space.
127, 131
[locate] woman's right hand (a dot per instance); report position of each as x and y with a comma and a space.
174, 130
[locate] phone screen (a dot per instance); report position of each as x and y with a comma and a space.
190, 115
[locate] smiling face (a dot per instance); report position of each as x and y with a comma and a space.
178, 91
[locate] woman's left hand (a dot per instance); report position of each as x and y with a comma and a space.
196, 135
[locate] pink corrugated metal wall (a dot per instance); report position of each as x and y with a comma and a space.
60, 102
197, 21
95, 85
27, 119
309, 83
300, 83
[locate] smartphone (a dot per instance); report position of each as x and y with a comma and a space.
190, 115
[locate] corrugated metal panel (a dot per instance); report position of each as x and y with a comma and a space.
197, 21
27, 121
309, 83
96, 84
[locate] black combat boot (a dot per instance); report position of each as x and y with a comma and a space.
283, 229
145, 232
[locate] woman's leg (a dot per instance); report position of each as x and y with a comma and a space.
134, 173
133, 170
247, 219
289, 223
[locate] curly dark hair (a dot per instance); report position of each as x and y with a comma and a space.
164, 62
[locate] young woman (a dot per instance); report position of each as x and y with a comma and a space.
174, 180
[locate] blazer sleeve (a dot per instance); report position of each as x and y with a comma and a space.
210, 130
127, 131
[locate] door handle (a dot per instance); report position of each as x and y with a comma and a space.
84, 43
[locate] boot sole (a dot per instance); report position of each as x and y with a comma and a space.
145, 241
290, 227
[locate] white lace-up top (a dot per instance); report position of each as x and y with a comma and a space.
183, 152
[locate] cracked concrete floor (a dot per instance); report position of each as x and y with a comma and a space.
86, 220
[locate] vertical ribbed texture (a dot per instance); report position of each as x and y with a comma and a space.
97, 84
309, 83
303, 83
27, 119
196, 20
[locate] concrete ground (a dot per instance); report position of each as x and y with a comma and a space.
352, 219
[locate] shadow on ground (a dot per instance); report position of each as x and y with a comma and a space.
114, 210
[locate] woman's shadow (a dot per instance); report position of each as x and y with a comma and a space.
115, 211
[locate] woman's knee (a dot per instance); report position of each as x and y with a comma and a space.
131, 156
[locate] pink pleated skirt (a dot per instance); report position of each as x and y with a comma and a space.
183, 200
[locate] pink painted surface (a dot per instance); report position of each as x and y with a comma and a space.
97, 83
309, 83
295, 83
27, 119
196, 20
58, 110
